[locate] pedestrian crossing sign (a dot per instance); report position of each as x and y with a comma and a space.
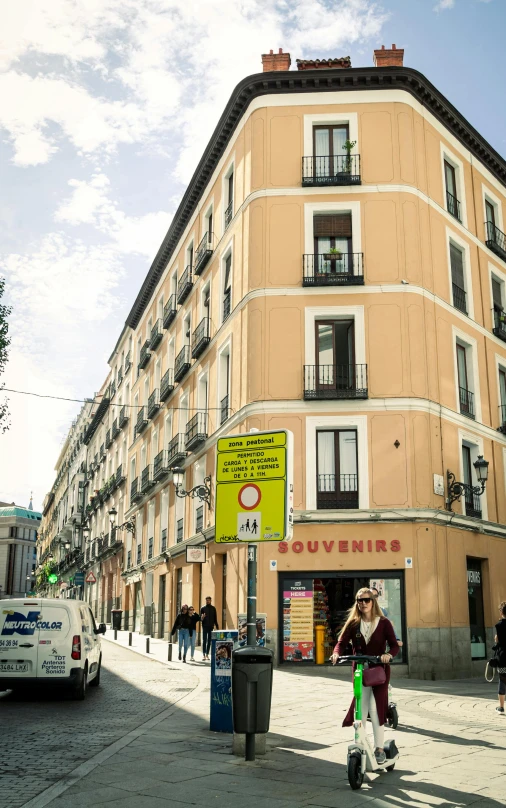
254, 487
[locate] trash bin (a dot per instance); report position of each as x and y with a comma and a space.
116, 618
252, 669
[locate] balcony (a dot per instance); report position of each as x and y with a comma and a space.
499, 328
224, 409
203, 253
495, 240
337, 169
335, 382
502, 419
115, 429
182, 364
227, 304
145, 355
123, 417
135, 492
196, 431
229, 213
184, 285
163, 546
120, 477
345, 497
453, 206
472, 502
176, 451
459, 298
169, 311
156, 335
466, 400
166, 385
153, 403
180, 530
161, 465
147, 481
331, 269
142, 421
200, 338
128, 363
108, 439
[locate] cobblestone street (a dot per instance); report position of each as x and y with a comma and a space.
142, 740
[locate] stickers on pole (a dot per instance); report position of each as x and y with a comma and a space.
254, 487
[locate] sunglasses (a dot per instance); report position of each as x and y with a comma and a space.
364, 600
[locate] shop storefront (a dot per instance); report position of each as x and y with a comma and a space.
312, 599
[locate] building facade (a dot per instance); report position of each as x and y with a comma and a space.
18, 549
337, 267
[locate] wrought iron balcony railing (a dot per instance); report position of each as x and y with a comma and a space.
499, 328
332, 269
459, 298
495, 240
156, 335
229, 213
337, 169
142, 421
115, 429
147, 481
161, 465
108, 439
345, 496
150, 548
200, 338
184, 285
227, 304
466, 399
135, 492
153, 403
335, 382
196, 431
123, 416
203, 253
182, 364
224, 408
166, 384
453, 205
144, 356
120, 477
472, 502
176, 451
169, 311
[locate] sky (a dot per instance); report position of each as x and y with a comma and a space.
106, 107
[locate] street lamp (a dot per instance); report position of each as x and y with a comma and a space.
86, 533
128, 525
456, 489
201, 491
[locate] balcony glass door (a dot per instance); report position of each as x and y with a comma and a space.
465, 396
335, 359
337, 470
330, 157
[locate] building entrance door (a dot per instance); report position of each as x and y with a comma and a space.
161, 606
137, 606
476, 612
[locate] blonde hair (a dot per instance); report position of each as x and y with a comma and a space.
354, 615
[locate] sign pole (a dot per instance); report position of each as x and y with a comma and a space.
251, 623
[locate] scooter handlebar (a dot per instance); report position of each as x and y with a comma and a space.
375, 660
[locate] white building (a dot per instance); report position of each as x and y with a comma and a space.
18, 550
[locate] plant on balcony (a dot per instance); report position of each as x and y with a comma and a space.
333, 255
49, 568
348, 145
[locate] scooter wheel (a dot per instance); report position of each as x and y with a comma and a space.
355, 776
392, 717
390, 768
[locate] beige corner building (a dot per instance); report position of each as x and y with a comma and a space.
336, 267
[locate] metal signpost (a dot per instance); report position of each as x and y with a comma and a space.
254, 503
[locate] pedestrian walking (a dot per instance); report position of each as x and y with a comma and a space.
194, 619
500, 638
369, 632
209, 619
182, 625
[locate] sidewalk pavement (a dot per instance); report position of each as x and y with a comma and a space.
451, 741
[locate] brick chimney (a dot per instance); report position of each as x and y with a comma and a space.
385, 57
276, 61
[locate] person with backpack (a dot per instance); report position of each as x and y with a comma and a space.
500, 638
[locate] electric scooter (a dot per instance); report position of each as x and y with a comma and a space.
361, 756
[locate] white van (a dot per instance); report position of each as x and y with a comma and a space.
49, 642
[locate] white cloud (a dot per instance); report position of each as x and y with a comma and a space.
444, 5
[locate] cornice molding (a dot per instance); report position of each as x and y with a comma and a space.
307, 81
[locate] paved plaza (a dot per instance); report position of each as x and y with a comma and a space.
142, 740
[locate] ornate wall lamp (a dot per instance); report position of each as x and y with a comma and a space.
456, 489
129, 526
201, 491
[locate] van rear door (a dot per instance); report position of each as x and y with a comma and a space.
19, 638
54, 659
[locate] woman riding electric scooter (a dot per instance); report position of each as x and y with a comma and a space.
369, 632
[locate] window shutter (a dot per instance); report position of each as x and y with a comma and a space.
457, 265
335, 225
496, 293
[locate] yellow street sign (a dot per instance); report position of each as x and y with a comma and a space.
254, 487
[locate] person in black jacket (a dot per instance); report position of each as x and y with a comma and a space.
209, 619
194, 619
183, 625
500, 638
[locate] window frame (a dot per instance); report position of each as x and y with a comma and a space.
337, 461
330, 119
462, 244
458, 166
475, 444
471, 346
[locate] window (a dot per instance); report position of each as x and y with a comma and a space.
206, 301
458, 283
198, 508
164, 520
187, 329
227, 287
330, 157
337, 469
499, 327
179, 518
452, 202
229, 197
189, 255
224, 384
472, 503
167, 434
466, 397
160, 308
333, 244
490, 212
335, 373
132, 473
502, 399
151, 527
143, 456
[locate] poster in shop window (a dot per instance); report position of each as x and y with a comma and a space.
298, 641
